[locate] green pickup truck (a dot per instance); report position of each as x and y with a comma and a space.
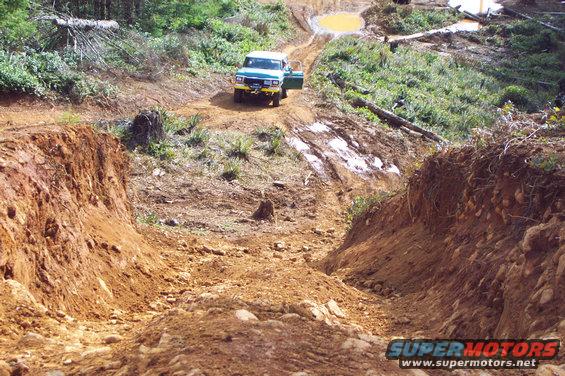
269, 74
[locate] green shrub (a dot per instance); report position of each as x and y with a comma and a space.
162, 150
518, 95
361, 204
198, 137
14, 78
232, 170
241, 147
15, 25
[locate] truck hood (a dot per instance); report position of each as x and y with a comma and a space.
261, 73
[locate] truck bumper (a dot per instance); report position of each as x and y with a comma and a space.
270, 90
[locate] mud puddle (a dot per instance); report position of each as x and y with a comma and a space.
323, 146
338, 23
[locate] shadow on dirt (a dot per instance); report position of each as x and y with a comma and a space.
250, 104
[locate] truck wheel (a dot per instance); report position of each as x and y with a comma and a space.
238, 96
277, 99
284, 94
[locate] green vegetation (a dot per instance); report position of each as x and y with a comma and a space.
547, 163
536, 55
198, 137
241, 147
441, 93
232, 169
438, 92
149, 219
162, 150
156, 38
399, 19
361, 204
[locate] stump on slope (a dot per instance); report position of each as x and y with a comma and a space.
265, 211
147, 127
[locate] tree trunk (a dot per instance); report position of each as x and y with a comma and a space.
393, 119
128, 11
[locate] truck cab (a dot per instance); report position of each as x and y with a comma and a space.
268, 74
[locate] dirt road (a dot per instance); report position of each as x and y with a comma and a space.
94, 293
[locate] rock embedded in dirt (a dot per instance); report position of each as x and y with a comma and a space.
55, 372
11, 212
265, 211
147, 128
112, 338
334, 309
245, 315
550, 370
172, 222
279, 184
318, 231
355, 344
5, 369
279, 246
33, 339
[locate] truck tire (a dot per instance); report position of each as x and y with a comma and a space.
284, 94
238, 96
277, 99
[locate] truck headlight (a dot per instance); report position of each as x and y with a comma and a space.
268, 82
239, 79
276, 82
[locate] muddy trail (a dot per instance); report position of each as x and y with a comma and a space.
89, 290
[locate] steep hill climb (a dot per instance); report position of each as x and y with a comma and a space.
297, 240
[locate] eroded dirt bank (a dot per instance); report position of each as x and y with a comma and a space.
66, 230
477, 237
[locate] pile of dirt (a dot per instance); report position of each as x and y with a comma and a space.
477, 238
66, 229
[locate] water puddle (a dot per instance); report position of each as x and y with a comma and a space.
338, 23
478, 7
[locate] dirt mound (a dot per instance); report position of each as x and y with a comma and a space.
477, 237
66, 230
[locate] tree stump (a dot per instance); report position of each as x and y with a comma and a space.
147, 127
265, 211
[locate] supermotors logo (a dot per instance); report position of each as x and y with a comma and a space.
471, 353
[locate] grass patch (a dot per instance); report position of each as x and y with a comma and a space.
438, 92
148, 219
399, 19
198, 137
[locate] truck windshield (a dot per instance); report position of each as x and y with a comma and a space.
253, 62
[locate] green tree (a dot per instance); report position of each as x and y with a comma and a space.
15, 25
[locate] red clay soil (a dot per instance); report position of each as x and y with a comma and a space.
477, 238
66, 230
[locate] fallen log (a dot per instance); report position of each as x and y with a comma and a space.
393, 119
82, 24
512, 12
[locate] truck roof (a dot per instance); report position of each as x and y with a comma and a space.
268, 55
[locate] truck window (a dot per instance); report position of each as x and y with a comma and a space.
253, 62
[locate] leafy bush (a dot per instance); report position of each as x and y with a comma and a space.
15, 25
38, 72
161, 16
